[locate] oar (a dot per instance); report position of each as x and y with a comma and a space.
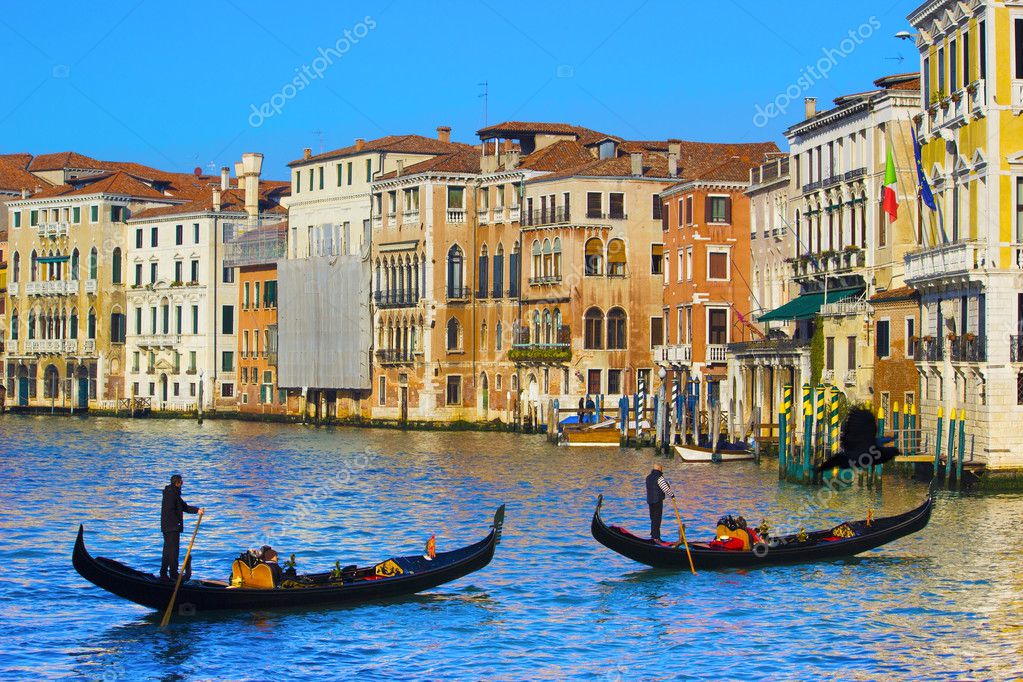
682, 535
174, 595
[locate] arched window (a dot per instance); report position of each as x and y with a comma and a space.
456, 264
537, 260
31, 324
547, 327
16, 273
594, 257
515, 383
593, 336
115, 266
483, 279
14, 325
616, 258
75, 264
557, 327
483, 337
536, 326
34, 272
378, 289
93, 263
73, 324
454, 334
165, 316
616, 329
92, 323
557, 258
548, 258
498, 332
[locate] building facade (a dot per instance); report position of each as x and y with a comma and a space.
968, 271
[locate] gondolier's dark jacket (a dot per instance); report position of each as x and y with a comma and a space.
171, 520
654, 490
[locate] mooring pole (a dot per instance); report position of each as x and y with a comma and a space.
937, 442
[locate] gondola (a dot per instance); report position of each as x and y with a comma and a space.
820, 545
415, 574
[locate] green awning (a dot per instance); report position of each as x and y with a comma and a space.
52, 259
808, 305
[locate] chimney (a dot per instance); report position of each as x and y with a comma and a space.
252, 166
444, 133
239, 173
225, 178
307, 152
637, 163
359, 144
672, 165
511, 159
400, 169
675, 147
216, 199
24, 192
811, 107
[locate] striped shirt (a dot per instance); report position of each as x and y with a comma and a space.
665, 488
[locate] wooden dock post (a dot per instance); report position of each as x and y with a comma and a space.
950, 457
804, 470
876, 469
937, 442
962, 446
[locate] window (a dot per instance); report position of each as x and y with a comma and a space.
115, 266
454, 392
882, 338
227, 320
17, 219
152, 273
350, 174
616, 258
910, 337
593, 332
616, 330
245, 296
719, 209
616, 205
594, 257
91, 323
138, 238
369, 170
270, 294
717, 265
255, 295
454, 335
177, 319
456, 200
953, 66
135, 362
1018, 51
594, 205
614, 381
381, 384
179, 235
195, 233
195, 271
33, 218
657, 259
455, 272
228, 361
154, 236
94, 214
93, 263
118, 325
850, 351
138, 320
76, 216
320, 169
179, 271
689, 210
982, 49
717, 326
829, 353
191, 360
310, 179
1019, 209
227, 390
228, 275
656, 331
655, 214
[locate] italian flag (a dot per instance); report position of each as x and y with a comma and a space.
889, 199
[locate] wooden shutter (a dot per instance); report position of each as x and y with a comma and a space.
718, 265
728, 210
708, 209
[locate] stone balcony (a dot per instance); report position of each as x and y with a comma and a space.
953, 110
158, 340
44, 346
455, 216
91, 286
65, 287
52, 230
89, 347
948, 261
845, 308
677, 354
12, 288
828, 263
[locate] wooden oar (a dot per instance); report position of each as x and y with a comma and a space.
174, 595
682, 535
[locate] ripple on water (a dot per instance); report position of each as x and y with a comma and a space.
553, 604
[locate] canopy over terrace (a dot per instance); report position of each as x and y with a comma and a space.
807, 306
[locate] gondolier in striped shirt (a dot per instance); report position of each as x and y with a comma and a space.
656, 490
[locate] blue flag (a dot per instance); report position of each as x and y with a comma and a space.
925, 189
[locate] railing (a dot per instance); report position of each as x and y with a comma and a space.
1017, 94
828, 376
678, 353
395, 356
854, 174
456, 215
53, 230
483, 216
545, 279
44, 346
943, 261
89, 347
769, 347
613, 215
929, 350
71, 346
514, 214
520, 338
717, 353
850, 377
457, 293
90, 286
839, 308
395, 299
971, 348
1016, 348
550, 216
157, 340
410, 216
812, 186
12, 288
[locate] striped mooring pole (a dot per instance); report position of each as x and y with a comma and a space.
878, 469
951, 452
937, 441
962, 445
807, 432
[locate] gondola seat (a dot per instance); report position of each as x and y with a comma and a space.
258, 577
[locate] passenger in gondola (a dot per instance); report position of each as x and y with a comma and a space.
270, 559
656, 489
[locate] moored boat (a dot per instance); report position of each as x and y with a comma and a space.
392, 577
854, 538
692, 453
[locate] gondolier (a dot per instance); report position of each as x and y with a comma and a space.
172, 523
656, 490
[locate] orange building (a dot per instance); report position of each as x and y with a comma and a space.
706, 223
255, 253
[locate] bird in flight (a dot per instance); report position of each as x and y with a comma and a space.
859, 444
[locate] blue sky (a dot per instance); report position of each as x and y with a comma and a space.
188, 84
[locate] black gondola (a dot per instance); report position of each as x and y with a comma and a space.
195, 596
781, 550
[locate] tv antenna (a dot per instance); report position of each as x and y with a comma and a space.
319, 136
486, 99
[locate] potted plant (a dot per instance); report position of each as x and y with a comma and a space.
956, 96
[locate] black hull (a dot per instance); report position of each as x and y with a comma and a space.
645, 551
197, 596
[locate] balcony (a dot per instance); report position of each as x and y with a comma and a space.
52, 230
850, 377
395, 299
483, 216
812, 186
854, 174
52, 288
71, 346
514, 214
943, 262
89, 347
158, 340
44, 346
969, 348
90, 286
545, 279
677, 354
845, 308
524, 350
395, 356
456, 216
717, 353
458, 293
613, 215
929, 349
1017, 95
553, 216
410, 217
12, 288
828, 376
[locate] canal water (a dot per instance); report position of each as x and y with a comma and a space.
946, 603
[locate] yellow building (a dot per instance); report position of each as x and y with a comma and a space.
970, 273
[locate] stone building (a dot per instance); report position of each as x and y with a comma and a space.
896, 337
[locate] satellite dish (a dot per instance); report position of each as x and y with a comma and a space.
197, 171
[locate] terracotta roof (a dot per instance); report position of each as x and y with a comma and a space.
409, 144
61, 160
900, 81
654, 166
462, 161
893, 295
13, 174
562, 154
515, 129
108, 183
231, 200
